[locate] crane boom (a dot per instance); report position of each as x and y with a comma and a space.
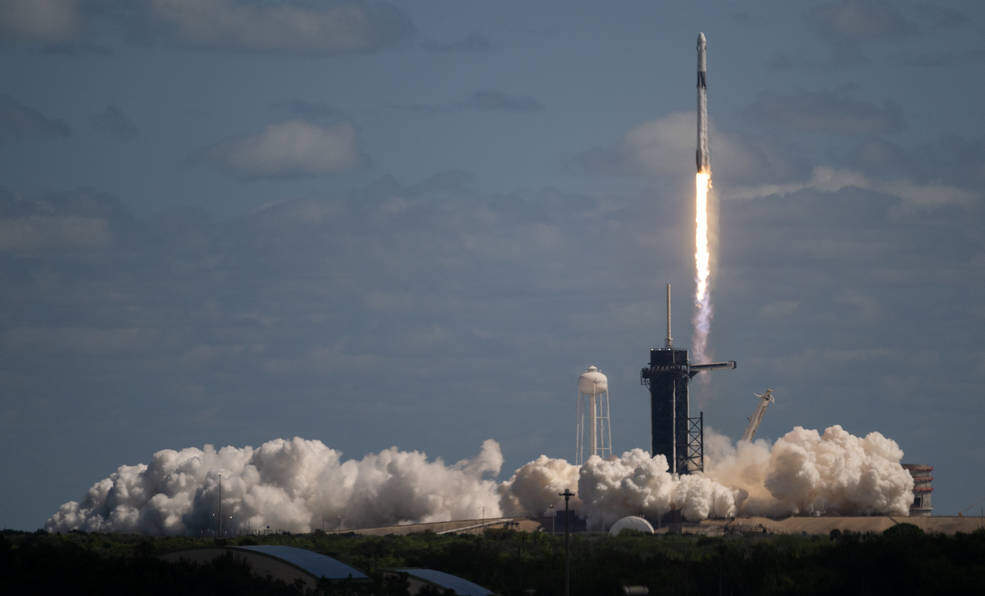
765, 399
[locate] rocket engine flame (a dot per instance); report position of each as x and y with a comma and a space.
702, 268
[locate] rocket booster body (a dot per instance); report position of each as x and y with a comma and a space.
702, 155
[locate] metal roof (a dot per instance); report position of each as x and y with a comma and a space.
448, 581
316, 564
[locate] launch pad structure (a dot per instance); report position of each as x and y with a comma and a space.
673, 432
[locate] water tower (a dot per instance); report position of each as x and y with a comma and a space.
595, 437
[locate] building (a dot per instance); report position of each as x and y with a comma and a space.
419, 579
922, 488
286, 563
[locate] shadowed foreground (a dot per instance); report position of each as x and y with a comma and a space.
901, 560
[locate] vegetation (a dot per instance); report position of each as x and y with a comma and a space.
902, 560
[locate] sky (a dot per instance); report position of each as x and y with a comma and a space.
415, 224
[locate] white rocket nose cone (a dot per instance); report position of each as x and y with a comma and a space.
701, 39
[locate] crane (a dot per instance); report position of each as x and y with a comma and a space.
765, 399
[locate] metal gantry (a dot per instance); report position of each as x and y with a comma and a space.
673, 432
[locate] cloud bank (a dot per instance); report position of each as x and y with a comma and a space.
829, 180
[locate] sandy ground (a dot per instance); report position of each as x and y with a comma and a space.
718, 527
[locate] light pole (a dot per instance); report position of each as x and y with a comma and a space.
218, 532
553, 520
567, 494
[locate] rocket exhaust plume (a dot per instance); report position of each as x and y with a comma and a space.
300, 485
702, 182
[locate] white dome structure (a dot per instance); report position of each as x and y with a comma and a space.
632, 522
595, 438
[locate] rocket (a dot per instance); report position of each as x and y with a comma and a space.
702, 156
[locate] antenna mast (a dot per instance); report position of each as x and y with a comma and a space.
670, 340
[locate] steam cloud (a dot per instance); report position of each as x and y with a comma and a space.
286, 484
299, 485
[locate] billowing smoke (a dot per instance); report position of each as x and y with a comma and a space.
296, 485
300, 485
637, 483
806, 472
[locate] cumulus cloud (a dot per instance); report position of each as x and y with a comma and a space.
115, 122
323, 28
290, 148
19, 122
822, 112
828, 180
663, 147
39, 20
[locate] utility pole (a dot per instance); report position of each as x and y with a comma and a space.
218, 533
567, 494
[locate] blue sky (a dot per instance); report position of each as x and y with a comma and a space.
414, 224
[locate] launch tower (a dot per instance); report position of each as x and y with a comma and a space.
673, 432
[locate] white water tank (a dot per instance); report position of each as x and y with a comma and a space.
592, 381
594, 431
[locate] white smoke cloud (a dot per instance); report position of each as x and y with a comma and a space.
806, 472
637, 483
289, 485
298, 484
534, 487
291, 148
